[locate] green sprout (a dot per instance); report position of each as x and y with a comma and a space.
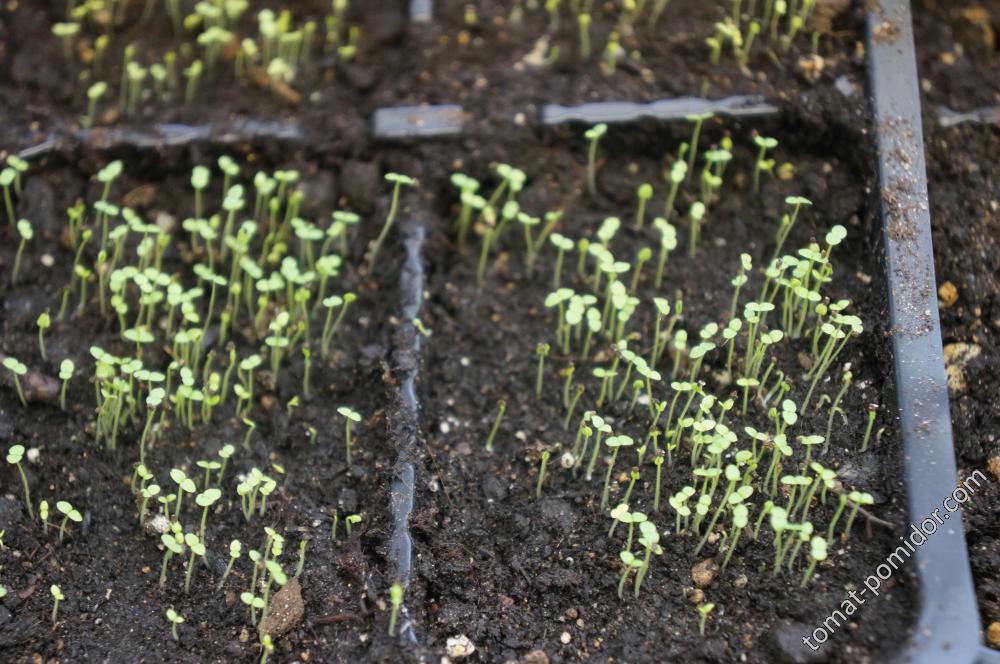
593, 135
396, 600
643, 194
583, 22
7, 178
349, 416
542, 351
196, 546
650, 541
204, 500
502, 407
630, 563
25, 230
872, 413
173, 543
351, 520
14, 456
17, 370
764, 144
697, 213
175, 620
398, 182
57, 597
66, 368
235, 550
817, 554
541, 474
44, 322
69, 514
615, 443
703, 611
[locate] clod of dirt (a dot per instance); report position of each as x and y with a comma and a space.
993, 634
956, 357
459, 646
286, 609
535, 657
788, 645
360, 182
947, 294
41, 388
993, 465
825, 12
704, 572
811, 66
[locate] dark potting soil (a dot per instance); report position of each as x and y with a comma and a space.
484, 67
491, 562
958, 60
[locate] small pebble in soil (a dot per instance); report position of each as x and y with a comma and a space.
947, 294
740, 581
459, 646
696, 596
565, 638
993, 634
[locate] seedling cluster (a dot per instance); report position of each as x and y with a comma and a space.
710, 417
217, 40
202, 316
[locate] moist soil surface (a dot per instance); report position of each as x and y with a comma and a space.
512, 572
958, 60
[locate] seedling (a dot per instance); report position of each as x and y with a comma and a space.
43, 515
696, 214
764, 144
351, 520
703, 611
235, 550
25, 230
872, 412
502, 407
817, 553
17, 370
630, 563
650, 541
643, 194
541, 474
593, 135
69, 514
398, 182
57, 597
8, 176
698, 119
542, 351
14, 456
44, 322
396, 600
175, 620
173, 543
349, 416
206, 499
196, 546
615, 443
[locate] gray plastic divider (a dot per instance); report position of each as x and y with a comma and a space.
664, 109
418, 121
948, 627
